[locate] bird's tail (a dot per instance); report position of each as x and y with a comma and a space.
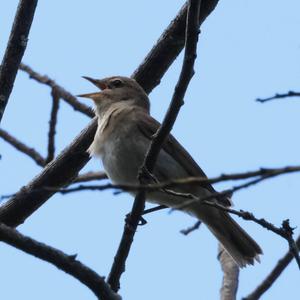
236, 241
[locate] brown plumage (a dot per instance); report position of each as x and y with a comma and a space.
124, 132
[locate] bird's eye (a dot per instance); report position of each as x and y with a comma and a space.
116, 83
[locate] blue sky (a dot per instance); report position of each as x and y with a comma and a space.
247, 49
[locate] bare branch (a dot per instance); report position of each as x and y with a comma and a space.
262, 174
168, 46
220, 194
153, 209
279, 96
31, 152
52, 126
132, 221
61, 92
58, 173
285, 231
15, 50
152, 187
191, 229
62, 261
273, 276
67, 165
89, 176
230, 275
186, 74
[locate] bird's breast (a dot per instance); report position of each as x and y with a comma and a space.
107, 125
119, 146
122, 157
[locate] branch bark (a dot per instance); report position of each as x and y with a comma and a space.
133, 219
273, 276
15, 50
58, 173
230, 275
52, 125
262, 174
59, 90
168, 46
89, 176
31, 152
279, 96
62, 261
66, 166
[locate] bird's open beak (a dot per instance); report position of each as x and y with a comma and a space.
97, 82
90, 96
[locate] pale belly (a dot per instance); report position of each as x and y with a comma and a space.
123, 158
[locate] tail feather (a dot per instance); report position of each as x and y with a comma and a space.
236, 241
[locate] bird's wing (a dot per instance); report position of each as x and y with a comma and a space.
148, 126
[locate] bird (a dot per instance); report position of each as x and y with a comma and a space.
124, 132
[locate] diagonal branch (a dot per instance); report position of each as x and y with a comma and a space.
285, 231
52, 125
153, 209
15, 50
58, 173
279, 96
227, 192
168, 46
32, 153
62, 261
132, 221
273, 276
61, 92
67, 165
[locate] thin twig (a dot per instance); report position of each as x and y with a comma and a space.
164, 186
262, 173
190, 229
168, 47
61, 92
153, 209
273, 275
89, 176
153, 187
279, 96
72, 159
15, 50
285, 231
187, 72
52, 125
230, 275
58, 173
62, 261
132, 221
218, 195
31, 152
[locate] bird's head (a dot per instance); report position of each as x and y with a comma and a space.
117, 89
